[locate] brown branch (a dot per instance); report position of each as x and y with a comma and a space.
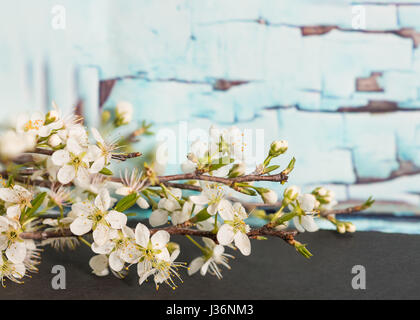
280, 177
287, 236
115, 156
43, 235
349, 210
184, 186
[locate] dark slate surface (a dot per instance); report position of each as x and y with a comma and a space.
273, 271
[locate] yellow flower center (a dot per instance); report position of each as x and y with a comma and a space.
33, 125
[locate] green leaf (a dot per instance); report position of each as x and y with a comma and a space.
106, 172
10, 181
286, 217
290, 166
201, 216
36, 203
221, 162
126, 203
130, 214
271, 168
247, 191
368, 203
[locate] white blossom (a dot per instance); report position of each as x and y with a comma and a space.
101, 153
133, 184
211, 195
12, 144
213, 255
72, 161
15, 248
99, 265
96, 217
269, 197
234, 229
16, 198
306, 222
36, 125
12, 271
150, 250
124, 112
166, 207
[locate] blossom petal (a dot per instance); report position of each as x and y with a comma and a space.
81, 226
225, 210
101, 234
200, 200
164, 255
158, 217
99, 265
103, 200
142, 203
116, 219
225, 234
4, 241
307, 202
16, 252
209, 242
179, 217
309, 224
9, 195
115, 262
73, 146
243, 243
142, 235
19, 271
103, 249
66, 174
212, 209
130, 253
297, 224
205, 267
97, 165
160, 239
218, 250
128, 232
83, 177
240, 210
60, 157
195, 265
14, 212
123, 191
82, 209
97, 136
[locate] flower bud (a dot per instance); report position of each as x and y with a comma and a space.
269, 196
124, 113
172, 246
51, 116
291, 193
142, 203
192, 157
341, 228
260, 214
54, 140
237, 170
350, 227
278, 147
106, 115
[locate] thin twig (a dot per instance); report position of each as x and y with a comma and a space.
173, 230
115, 156
280, 177
349, 210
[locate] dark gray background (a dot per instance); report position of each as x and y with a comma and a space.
273, 271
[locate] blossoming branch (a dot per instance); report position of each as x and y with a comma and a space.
59, 190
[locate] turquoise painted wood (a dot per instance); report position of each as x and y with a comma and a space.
167, 56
